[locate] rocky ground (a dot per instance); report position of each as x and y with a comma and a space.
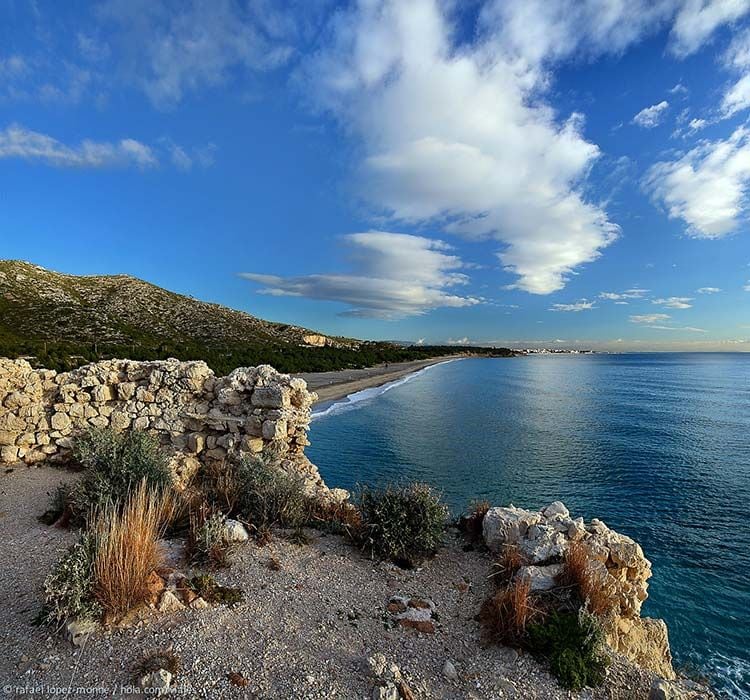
312, 616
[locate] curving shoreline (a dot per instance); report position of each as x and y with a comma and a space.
331, 386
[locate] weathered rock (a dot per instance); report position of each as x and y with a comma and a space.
540, 578
234, 531
158, 682
449, 670
645, 641
170, 603
78, 631
662, 689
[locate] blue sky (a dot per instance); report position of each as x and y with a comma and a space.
569, 172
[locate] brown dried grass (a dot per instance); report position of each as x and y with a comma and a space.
507, 612
507, 564
577, 572
128, 550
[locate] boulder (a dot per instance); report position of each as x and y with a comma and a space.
158, 682
234, 531
540, 578
78, 631
170, 603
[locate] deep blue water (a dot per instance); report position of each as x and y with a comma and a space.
656, 445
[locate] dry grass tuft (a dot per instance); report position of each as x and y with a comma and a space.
127, 549
506, 613
471, 524
577, 572
154, 660
507, 564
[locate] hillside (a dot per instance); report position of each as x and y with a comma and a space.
61, 321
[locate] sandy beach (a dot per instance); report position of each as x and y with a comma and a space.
336, 385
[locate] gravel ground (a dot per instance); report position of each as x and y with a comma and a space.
304, 631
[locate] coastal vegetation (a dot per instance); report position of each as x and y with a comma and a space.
113, 465
404, 523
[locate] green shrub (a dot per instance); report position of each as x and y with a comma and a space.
573, 643
403, 523
114, 463
268, 496
69, 588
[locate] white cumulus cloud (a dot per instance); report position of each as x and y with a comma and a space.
457, 136
649, 117
394, 276
706, 186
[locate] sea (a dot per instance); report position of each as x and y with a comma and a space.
656, 445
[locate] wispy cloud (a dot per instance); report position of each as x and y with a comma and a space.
649, 318
582, 305
635, 293
171, 50
394, 276
18, 142
649, 117
708, 290
674, 302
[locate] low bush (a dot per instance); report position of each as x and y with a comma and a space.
573, 643
403, 523
207, 544
269, 497
69, 588
113, 465
127, 549
504, 616
209, 589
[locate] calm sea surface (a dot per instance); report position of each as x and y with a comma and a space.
656, 445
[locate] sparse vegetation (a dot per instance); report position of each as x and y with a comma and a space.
84, 319
403, 523
127, 550
509, 561
113, 465
207, 588
577, 572
269, 497
207, 544
69, 588
153, 661
573, 643
506, 614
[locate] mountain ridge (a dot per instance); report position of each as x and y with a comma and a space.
61, 321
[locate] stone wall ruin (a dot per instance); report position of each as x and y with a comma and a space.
197, 416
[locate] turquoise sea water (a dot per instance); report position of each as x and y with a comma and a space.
656, 445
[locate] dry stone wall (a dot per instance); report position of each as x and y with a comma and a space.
197, 416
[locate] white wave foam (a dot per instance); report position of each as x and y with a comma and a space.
358, 398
